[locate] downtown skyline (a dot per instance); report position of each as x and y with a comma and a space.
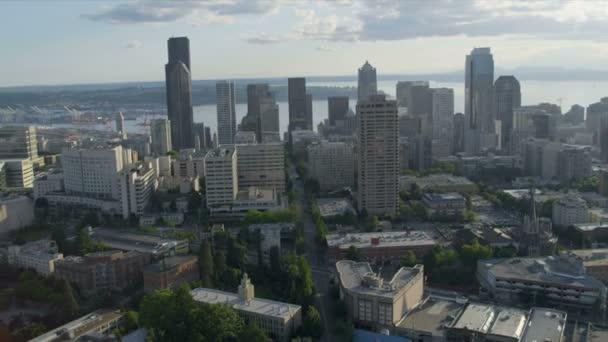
125, 41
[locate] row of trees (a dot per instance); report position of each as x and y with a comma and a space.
320, 226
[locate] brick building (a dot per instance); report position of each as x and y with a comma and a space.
170, 272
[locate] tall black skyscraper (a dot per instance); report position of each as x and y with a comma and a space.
179, 93
337, 107
300, 116
507, 96
478, 101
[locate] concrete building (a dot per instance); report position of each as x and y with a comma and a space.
136, 183
378, 155
507, 97
170, 273
160, 134
120, 126
442, 113
188, 165
41, 256
570, 210
226, 112
337, 108
489, 323
271, 234
442, 205
95, 326
92, 172
261, 166
221, 176
374, 302
442, 182
138, 242
48, 183
103, 271
559, 281
367, 82
245, 137
382, 246
278, 320
300, 115
300, 140
458, 127
19, 142
179, 93
402, 92
200, 137
16, 212
19, 173
332, 164
595, 261
478, 100
264, 112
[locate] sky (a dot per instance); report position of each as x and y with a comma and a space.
73, 42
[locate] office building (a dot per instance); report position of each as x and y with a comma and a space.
48, 183
92, 172
478, 101
375, 302
575, 116
595, 112
438, 183
570, 210
261, 106
18, 142
378, 155
298, 105
40, 255
559, 281
458, 131
98, 325
507, 97
160, 134
261, 166
120, 126
133, 241
200, 136
402, 92
103, 271
337, 108
420, 101
276, 319
136, 183
245, 137
381, 247
18, 173
221, 176
170, 273
16, 212
179, 93
226, 112
444, 205
332, 164
442, 113
367, 84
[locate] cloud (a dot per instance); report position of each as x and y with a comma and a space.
197, 12
325, 49
266, 38
134, 44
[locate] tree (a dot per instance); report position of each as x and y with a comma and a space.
252, 332
275, 262
299, 279
409, 259
173, 154
58, 235
70, 304
312, 323
352, 253
195, 202
474, 251
131, 320
205, 263
219, 266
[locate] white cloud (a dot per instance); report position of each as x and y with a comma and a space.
325, 49
134, 44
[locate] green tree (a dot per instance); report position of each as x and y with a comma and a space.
173, 154
131, 320
275, 262
252, 332
195, 201
352, 253
219, 266
58, 235
312, 325
205, 263
71, 307
299, 279
474, 251
409, 259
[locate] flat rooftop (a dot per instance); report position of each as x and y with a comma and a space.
81, 326
257, 305
589, 227
493, 320
592, 257
432, 316
130, 241
334, 206
558, 270
359, 277
169, 263
385, 239
443, 197
545, 325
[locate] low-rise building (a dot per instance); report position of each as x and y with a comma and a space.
332, 164
248, 199
261, 166
570, 210
430, 319
557, 280
592, 232
373, 302
271, 235
100, 322
443, 182
103, 271
330, 207
170, 272
15, 212
127, 240
381, 247
19, 173
595, 262
488, 322
41, 256
442, 205
545, 325
279, 320
48, 183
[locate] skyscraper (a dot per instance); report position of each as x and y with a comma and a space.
18, 142
200, 140
263, 112
402, 91
179, 93
337, 107
458, 128
367, 82
478, 100
120, 126
226, 112
442, 113
507, 96
378, 160
160, 134
298, 104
